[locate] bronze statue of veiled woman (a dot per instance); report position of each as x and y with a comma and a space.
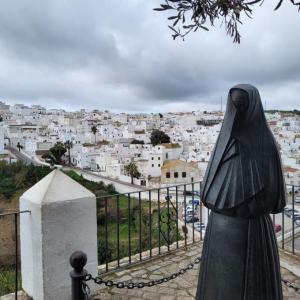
243, 184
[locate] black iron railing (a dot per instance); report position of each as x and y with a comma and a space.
140, 225
287, 225
13, 266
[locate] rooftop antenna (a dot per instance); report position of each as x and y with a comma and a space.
265, 105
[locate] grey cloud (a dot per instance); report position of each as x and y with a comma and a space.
119, 55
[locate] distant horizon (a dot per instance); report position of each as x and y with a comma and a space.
217, 108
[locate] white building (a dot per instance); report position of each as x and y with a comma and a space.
1, 138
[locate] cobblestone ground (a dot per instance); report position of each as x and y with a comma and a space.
181, 288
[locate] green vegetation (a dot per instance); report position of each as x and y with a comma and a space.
129, 223
203, 14
159, 137
126, 216
7, 280
55, 153
288, 112
136, 142
98, 188
94, 131
132, 170
68, 145
17, 177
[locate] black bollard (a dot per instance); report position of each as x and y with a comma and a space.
78, 260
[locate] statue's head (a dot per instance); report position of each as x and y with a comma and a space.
240, 99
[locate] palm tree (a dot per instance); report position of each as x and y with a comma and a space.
68, 146
94, 131
132, 170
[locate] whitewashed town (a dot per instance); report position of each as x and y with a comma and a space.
147, 163
107, 143
149, 150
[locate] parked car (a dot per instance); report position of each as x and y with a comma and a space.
191, 219
196, 202
188, 211
291, 215
288, 212
199, 226
287, 209
200, 229
187, 193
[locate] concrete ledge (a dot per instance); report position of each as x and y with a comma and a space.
290, 262
21, 296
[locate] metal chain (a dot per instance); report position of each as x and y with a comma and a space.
131, 285
291, 285
141, 284
85, 290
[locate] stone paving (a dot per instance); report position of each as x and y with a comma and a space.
180, 288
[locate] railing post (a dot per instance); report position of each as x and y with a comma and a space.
78, 260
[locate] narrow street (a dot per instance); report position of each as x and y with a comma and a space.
22, 157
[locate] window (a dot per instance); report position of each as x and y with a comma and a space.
183, 174
167, 155
168, 175
152, 165
175, 174
158, 165
152, 158
159, 158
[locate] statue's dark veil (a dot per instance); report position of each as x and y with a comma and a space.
245, 164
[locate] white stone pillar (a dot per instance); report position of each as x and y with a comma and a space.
62, 220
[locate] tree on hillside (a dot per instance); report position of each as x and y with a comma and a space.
192, 15
94, 131
58, 150
68, 146
19, 146
132, 170
1, 119
141, 142
159, 137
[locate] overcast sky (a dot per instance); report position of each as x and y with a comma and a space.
119, 55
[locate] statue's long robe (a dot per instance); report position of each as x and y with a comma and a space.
243, 184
